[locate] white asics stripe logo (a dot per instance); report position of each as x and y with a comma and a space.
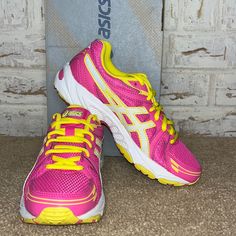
120, 108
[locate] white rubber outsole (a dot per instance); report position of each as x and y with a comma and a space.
74, 93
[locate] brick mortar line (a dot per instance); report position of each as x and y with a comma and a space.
26, 106
200, 33
200, 69
43, 67
203, 70
200, 107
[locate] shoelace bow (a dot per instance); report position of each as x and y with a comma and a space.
79, 137
167, 125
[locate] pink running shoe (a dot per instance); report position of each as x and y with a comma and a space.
64, 186
127, 104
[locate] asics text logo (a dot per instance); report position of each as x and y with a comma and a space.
72, 113
104, 19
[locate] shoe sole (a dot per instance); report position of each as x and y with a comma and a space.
75, 94
62, 215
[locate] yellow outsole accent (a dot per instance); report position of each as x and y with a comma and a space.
145, 171
92, 219
125, 153
148, 172
59, 216
169, 182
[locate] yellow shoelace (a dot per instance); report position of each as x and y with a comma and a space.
79, 137
167, 125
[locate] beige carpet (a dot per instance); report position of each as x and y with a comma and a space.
135, 205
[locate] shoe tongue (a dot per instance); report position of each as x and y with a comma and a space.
76, 112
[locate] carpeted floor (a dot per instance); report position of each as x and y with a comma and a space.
135, 205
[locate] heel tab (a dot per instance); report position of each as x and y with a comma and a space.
105, 44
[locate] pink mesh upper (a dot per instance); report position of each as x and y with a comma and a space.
56, 181
161, 151
127, 120
135, 137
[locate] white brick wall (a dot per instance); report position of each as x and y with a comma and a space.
199, 66
22, 68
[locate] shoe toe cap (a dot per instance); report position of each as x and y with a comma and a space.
72, 190
182, 163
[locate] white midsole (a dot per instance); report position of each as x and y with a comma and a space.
74, 93
97, 210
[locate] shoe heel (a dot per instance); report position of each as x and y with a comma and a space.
61, 85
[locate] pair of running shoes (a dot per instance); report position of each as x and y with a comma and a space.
65, 184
